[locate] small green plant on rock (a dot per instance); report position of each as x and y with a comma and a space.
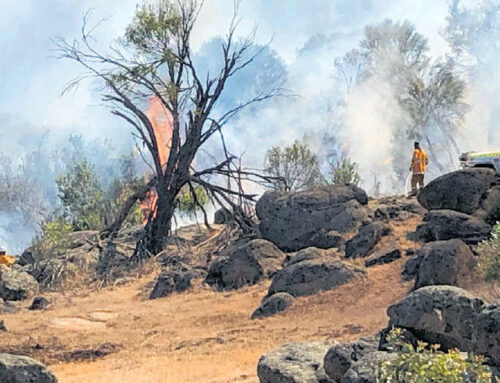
425, 363
490, 256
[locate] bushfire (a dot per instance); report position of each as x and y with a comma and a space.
162, 125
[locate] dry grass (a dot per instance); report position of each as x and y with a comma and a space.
200, 336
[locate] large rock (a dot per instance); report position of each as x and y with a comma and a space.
21, 369
490, 206
223, 216
245, 263
487, 336
297, 220
444, 263
311, 276
339, 358
445, 315
273, 304
171, 281
441, 225
16, 284
461, 191
309, 254
294, 363
384, 256
368, 236
365, 369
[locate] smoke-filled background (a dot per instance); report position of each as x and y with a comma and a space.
341, 60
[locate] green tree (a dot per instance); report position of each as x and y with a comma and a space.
81, 196
155, 60
345, 172
292, 168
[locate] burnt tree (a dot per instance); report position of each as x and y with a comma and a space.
154, 60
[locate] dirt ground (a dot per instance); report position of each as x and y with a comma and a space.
116, 335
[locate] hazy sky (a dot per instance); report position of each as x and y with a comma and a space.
31, 80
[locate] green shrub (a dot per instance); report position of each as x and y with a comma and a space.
186, 203
490, 256
346, 172
292, 168
81, 196
53, 238
423, 364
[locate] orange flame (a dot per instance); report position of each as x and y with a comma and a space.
162, 123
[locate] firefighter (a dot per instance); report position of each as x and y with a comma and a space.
5, 259
418, 165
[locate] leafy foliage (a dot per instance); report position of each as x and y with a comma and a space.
346, 172
490, 256
53, 238
189, 200
294, 167
81, 196
426, 363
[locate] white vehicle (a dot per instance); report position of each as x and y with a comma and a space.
489, 159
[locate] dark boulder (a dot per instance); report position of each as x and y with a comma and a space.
444, 263
489, 209
311, 276
461, 191
487, 334
16, 284
363, 242
382, 257
365, 369
21, 369
297, 220
171, 281
339, 358
273, 304
410, 268
444, 315
294, 363
223, 216
440, 225
245, 263
309, 254
39, 303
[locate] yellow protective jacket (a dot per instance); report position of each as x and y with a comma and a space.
419, 161
7, 260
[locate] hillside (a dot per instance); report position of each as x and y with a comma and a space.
197, 336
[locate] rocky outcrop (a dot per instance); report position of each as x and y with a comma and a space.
273, 304
311, 276
339, 358
294, 363
297, 220
171, 281
244, 263
441, 225
384, 256
461, 191
16, 284
444, 263
309, 254
21, 369
487, 335
363, 242
445, 315
365, 369
489, 210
